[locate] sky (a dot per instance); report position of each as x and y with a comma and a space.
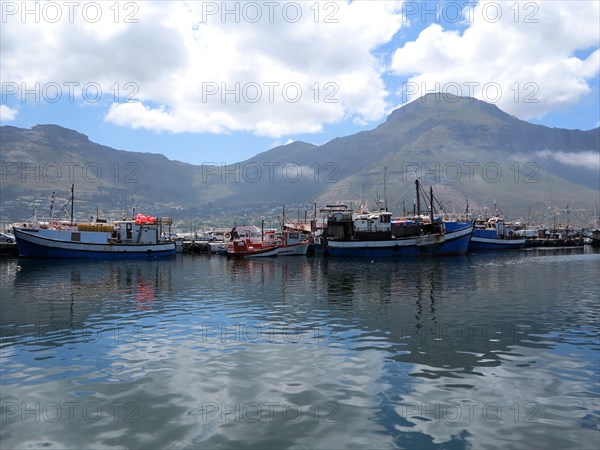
221, 81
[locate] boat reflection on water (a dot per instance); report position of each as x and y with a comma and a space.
67, 295
450, 352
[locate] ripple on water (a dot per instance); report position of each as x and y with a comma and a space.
481, 351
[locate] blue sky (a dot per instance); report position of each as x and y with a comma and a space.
222, 81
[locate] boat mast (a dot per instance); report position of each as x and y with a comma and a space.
431, 202
384, 187
72, 200
418, 198
51, 208
283, 218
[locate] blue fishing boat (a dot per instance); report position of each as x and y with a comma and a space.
493, 236
494, 233
378, 234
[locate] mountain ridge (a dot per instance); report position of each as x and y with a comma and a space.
437, 134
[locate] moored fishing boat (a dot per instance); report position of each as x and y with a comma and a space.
138, 238
594, 238
124, 239
380, 235
249, 242
292, 243
401, 237
293, 239
493, 234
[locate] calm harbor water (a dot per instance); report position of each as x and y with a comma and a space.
481, 351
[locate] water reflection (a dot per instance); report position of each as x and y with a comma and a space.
66, 297
462, 352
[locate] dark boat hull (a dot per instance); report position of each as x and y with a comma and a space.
451, 243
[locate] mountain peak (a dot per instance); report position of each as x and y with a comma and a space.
441, 104
449, 141
57, 131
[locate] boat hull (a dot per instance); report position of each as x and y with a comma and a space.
32, 244
298, 249
450, 243
481, 243
249, 249
257, 253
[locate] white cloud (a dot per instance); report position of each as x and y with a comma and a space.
528, 53
196, 71
588, 160
197, 68
7, 114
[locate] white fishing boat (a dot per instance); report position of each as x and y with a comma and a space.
291, 243
137, 238
124, 239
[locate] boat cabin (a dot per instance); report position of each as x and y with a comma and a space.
493, 227
128, 231
245, 233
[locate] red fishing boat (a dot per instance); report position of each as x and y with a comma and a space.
248, 242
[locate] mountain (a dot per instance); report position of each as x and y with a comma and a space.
47, 158
467, 149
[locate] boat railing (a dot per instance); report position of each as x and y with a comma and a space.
47, 223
